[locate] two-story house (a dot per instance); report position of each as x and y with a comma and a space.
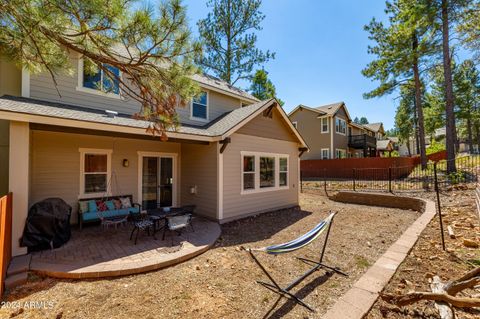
232, 156
331, 134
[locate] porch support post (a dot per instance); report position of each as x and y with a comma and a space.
220, 181
19, 171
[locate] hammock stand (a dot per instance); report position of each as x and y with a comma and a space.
298, 243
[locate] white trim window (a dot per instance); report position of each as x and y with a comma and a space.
324, 125
267, 171
283, 171
325, 153
98, 83
340, 126
263, 172
95, 172
340, 153
248, 172
199, 107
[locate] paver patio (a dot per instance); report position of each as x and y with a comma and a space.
94, 252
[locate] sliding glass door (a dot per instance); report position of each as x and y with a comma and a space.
157, 182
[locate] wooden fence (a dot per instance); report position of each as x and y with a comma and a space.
5, 237
378, 167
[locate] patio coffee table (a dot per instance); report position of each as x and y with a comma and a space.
158, 214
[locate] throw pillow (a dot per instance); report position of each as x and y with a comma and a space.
83, 206
101, 206
125, 202
92, 206
118, 204
110, 205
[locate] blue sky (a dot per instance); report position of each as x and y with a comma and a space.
320, 50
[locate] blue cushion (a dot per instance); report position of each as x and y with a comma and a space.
110, 205
90, 216
134, 210
92, 206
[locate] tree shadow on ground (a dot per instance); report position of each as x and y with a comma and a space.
274, 313
260, 227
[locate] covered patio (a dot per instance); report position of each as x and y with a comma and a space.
95, 252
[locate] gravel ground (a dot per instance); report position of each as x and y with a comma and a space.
221, 282
428, 259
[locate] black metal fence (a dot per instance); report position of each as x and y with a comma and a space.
398, 179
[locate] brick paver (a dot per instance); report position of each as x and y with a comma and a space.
94, 252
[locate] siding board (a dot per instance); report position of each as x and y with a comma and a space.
237, 205
55, 164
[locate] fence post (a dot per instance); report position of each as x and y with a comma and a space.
439, 209
301, 181
390, 179
353, 171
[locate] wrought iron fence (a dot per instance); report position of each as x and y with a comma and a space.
397, 179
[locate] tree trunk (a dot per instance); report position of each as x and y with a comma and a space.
418, 104
470, 134
415, 124
229, 55
449, 100
408, 148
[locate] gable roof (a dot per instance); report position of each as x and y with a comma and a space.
211, 82
36, 111
329, 109
375, 127
384, 145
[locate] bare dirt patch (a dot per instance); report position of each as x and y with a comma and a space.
428, 259
221, 282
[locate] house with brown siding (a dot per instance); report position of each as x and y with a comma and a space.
330, 132
232, 155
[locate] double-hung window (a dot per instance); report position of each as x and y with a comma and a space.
264, 171
340, 126
249, 172
199, 109
283, 171
95, 169
324, 128
325, 153
100, 80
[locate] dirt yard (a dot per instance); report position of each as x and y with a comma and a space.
221, 282
428, 259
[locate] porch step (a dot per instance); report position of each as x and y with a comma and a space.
19, 264
16, 280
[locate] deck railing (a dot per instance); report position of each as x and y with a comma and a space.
362, 141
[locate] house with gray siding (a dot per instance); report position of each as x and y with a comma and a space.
331, 134
232, 155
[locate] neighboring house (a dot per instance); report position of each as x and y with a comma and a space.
376, 130
233, 155
384, 147
330, 132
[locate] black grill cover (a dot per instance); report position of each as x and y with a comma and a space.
48, 225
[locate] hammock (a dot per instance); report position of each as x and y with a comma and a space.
301, 241
293, 245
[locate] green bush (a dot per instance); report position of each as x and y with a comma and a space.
435, 147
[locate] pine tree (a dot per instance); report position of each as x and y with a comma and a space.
229, 40
262, 87
363, 120
154, 55
400, 49
404, 120
469, 27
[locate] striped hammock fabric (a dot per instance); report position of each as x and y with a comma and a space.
301, 241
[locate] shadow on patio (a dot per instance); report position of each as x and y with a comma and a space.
96, 253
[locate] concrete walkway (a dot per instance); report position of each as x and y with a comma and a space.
356, 302
96, 253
